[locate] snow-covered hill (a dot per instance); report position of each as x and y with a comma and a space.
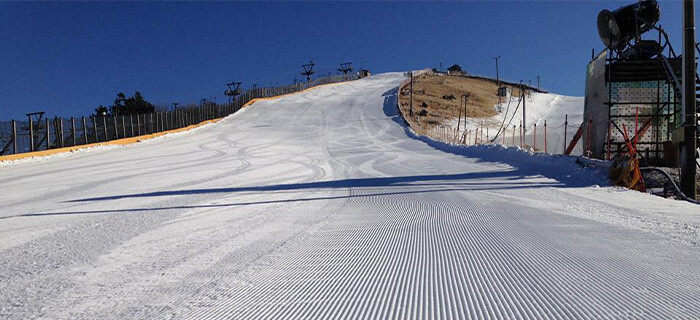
323, 205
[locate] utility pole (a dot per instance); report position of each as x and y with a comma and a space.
465, 98
498, 81
689, 144
538, 83
410, 104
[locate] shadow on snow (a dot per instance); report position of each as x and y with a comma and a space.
522, 165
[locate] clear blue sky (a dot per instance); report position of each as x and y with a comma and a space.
66, 58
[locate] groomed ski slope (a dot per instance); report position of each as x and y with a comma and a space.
323, 205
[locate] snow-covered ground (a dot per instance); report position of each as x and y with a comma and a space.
539, 107
324, 205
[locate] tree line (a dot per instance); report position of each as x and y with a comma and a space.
124, 105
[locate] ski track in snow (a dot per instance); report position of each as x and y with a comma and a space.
322, 205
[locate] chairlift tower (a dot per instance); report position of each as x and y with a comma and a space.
234, 89
346, 67
308, 70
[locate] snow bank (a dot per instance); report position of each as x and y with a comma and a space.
539, 107
560, 167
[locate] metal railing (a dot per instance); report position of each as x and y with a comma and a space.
18, 136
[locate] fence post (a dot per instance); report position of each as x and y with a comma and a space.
72, 129
14, 136
85, 136
104, 127
481, 137
545, 136
116, 129
31, 134
60, 128
534, 142
48, 135
94, 128
520, 130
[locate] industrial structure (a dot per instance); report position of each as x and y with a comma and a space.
635, 89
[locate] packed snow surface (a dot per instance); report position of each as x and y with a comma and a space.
323, 205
